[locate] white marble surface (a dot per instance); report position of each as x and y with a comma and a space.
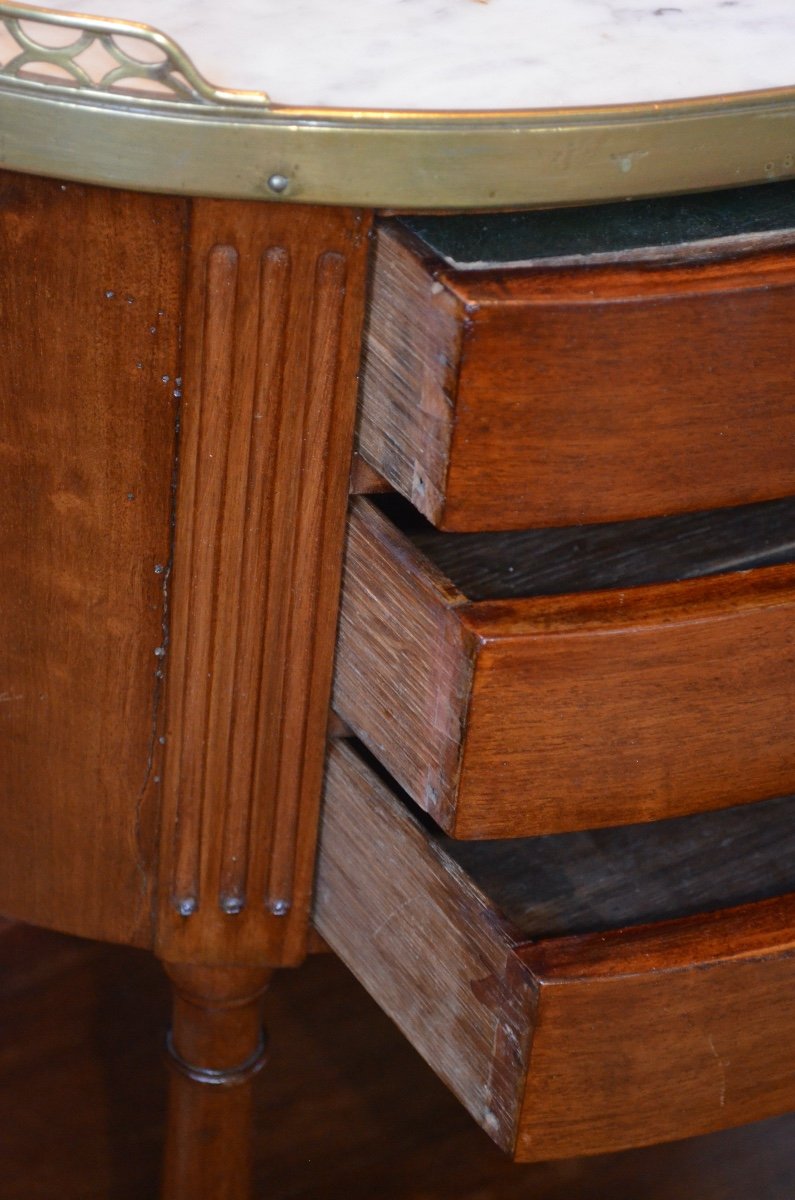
464, 54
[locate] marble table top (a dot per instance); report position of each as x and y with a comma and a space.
475, 54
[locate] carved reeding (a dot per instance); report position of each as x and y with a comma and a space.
206, 452
254, 594
310, 521
232, 517
266, 440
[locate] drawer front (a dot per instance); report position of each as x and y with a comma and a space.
539, 715
576, 1045
500, 400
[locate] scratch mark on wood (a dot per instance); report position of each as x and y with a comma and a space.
722, 1065
391, 915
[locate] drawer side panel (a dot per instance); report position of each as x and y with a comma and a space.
424, 943
404, 663
409, 373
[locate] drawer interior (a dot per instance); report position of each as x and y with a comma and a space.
660, 226
577, 883
538, 562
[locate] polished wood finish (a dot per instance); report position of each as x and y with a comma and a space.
275, 303
90, 304
562, 1046
216, 1047
176, 427
561, 395
657, 1033
512, 717
103, 294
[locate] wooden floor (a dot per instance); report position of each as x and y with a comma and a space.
346, 1109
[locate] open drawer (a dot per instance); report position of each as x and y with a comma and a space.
555, 394
633, 696
511, 969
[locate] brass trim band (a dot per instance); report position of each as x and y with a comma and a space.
231, 1077
203, 141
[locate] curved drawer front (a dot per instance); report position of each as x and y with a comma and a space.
553, 396
543, 714
569, 1045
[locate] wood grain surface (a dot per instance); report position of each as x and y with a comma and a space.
403, 671
383, 897
651, 1034
554, 396
111, 581
90, 305
564, 1046
274, 308
543, 714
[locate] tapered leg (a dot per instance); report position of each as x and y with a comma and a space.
216, 1047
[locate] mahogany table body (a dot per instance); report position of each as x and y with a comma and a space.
178, 395
177, 404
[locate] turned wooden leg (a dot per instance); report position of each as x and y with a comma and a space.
216, 1047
